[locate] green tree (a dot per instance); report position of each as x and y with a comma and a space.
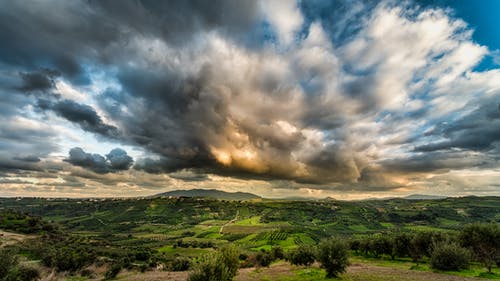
382, 245
277, 253
302, 255
484, 241
421, 245
402, 244
448, 256
264, 258
8, 261
113, 271
10, 270
333, 254
221, 266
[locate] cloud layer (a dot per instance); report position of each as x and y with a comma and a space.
372, 97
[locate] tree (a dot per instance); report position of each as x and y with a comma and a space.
10, 270
447, 256
113, 271
355, 245
8, 261
303, 255
277, 253
221, 266
26, 273
381, 245
333, 254
484, 241
264, 258
402, 244
421, 245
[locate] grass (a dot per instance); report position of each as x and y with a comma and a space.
475, 269
359, 228
238, 229
189, 252
255, 220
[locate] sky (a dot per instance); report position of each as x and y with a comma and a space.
349, 99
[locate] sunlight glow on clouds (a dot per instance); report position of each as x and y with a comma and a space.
275, 98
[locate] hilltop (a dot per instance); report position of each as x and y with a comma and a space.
209, 193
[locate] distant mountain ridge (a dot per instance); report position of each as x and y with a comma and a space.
210, 193
423, 197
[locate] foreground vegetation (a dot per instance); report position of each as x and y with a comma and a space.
214, 238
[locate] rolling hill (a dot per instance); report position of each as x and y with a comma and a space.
209, 193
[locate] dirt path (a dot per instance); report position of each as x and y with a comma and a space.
282, 271
9, 238
364, 272
154, 276
230, 222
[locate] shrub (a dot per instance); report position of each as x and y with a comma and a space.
303, 255
277, 253
355, 245
113, 271
8, 261
25, 273
333, 254
221, 266
67, 255
10, 270
180, 264
264, 258
449, 257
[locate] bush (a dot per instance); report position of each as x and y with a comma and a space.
277, 253
10, 270
8, 261
264, 258
180, 264
333, 254
222, 266
113, 271
450, 257
303, 255
25, 273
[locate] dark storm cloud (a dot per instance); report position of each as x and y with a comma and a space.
94, 162
189, 176
438, 162
28, 158
81, 114
178, 21
59, 34
479, 130
41, 80
119, 160
9, 164
116, 160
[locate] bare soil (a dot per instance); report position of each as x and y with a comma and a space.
10, 238
356, 272
364, 272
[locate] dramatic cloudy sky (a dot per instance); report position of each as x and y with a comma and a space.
350, 99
